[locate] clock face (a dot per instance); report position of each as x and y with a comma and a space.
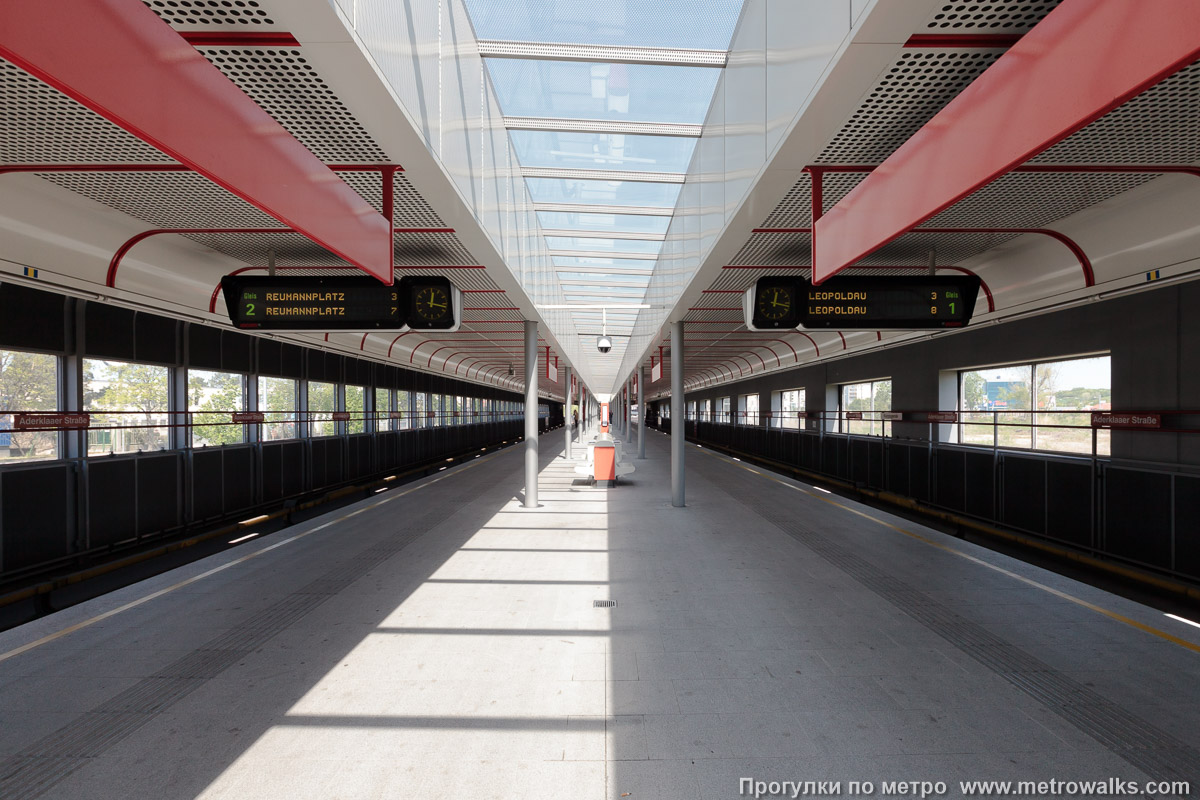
432, 303
775, 302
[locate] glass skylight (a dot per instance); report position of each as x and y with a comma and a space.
614, 223
616, 246
631, 23
578, 90
632, 291
615, 265
603, 151
570, 277
566, 113
613, 193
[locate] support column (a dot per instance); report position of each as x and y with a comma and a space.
627, 408
567, 411
641, 404
677, 423
531, 414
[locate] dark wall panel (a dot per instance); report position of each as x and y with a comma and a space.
979, 485
33, 319
238, 478
156, 339
951, 485
204, 347
1137, 507
236, 352
34, 516
109, 331
159, 491
1187, 526
1024, 493
1069, 505
112, 501
206, 484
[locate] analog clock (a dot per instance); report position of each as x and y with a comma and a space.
776, 303
431, 303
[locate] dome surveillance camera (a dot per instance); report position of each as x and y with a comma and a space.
604, 344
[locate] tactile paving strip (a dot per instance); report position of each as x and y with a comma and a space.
42, 765
1156, 753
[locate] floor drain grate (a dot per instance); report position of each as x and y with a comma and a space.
604, 603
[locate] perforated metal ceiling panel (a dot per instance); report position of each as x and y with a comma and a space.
190, 14
41, 125
1157, 127
166, 199
1034, 200
294, 250
910, 92
290, 90
998, 17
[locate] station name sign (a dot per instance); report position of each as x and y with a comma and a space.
51, 419
862, 302
1108, 419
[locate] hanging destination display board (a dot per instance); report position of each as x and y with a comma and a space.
854, 303
356, 303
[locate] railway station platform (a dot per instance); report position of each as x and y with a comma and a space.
438, 640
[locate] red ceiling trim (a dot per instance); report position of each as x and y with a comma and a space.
989, 40
239, 39
128, 167
1080, 62
1085, 264
119, 59
811, 341
398, 338
115, 263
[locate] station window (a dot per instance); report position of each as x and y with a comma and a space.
865, 402
212, 398
1044, 405
723, 409
748, 409
790, 405
419, 406
691, 410
28, 382
383, 407
129, 404
277, 399
322, 402
404, 406
355, 397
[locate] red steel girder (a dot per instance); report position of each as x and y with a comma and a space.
119, 59
1080, 62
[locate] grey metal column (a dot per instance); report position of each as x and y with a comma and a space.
641, 425
567, 411
677, 414
531, 414
627, 410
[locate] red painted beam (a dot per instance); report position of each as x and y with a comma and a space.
239, 39
1080, 62
960, 40
119, 59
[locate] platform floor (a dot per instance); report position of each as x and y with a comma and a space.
440, 641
